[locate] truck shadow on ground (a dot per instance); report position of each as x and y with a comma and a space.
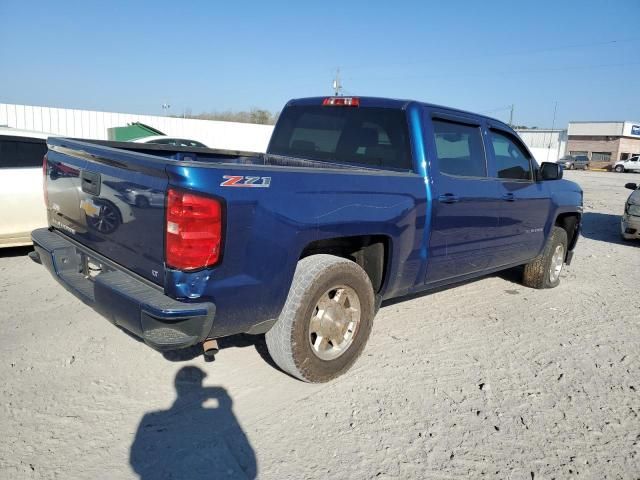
241, 340
15, 251
603, 227
197, 438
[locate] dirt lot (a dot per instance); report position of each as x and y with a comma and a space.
486, 379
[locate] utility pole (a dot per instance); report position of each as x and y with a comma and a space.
165, 108
553, 124
337, 86
511, 116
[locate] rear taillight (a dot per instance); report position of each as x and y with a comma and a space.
341, 102
44, 180
193, 230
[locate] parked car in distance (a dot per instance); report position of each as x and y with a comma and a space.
144, 197
21, 204
630, 222
579, 162
357, 200
629, 165
172, 141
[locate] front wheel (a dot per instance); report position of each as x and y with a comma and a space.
544, 271
326, 319
619, 168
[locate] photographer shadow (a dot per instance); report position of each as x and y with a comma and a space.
197, 438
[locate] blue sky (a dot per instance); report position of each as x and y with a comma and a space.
209, 55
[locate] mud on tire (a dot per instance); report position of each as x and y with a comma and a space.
537, 273
288, 341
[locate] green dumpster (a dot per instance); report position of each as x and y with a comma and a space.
131, 132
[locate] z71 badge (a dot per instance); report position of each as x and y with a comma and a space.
241, 181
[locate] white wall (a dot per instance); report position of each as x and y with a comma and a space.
546, 145
92, 124
542, 154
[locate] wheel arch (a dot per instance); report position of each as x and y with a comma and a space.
570, 222
371, 252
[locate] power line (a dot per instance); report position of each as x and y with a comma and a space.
465, 59
518, 72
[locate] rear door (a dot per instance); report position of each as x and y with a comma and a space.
466, 201
525, 205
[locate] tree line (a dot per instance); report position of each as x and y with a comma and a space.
255, 115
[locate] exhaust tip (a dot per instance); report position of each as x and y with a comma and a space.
210, 348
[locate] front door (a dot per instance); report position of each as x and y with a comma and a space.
526, 204
466, 202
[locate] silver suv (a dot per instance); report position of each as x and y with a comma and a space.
579, 162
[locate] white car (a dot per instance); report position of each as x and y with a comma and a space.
630, 223
629, 165
174, 142
21, 198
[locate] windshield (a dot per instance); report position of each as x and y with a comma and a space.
371, 136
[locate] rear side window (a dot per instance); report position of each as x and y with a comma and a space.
512, 161
374, 137
459, 149
16, 152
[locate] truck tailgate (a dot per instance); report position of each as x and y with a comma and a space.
109, 200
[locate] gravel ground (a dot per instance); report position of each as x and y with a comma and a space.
488, 379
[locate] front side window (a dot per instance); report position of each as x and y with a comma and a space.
22, 153
459, 149
512, 161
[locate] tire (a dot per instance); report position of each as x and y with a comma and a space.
538, 273
142, 202
571, 166
290, 340
619, 168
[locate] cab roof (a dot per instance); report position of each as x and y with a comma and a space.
382, 102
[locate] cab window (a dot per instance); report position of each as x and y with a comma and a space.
459, 149
512, 160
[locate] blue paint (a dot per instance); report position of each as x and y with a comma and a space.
266, 230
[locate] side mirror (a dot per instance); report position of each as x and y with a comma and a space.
631, 186
550, 171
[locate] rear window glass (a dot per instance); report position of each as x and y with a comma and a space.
459, 148
16, 153
374, 137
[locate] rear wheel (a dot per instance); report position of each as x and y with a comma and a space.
544, 271
619, 168
326, 320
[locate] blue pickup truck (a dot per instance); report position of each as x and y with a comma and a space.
358, 200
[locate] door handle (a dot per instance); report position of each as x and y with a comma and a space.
448, 198
509, 197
